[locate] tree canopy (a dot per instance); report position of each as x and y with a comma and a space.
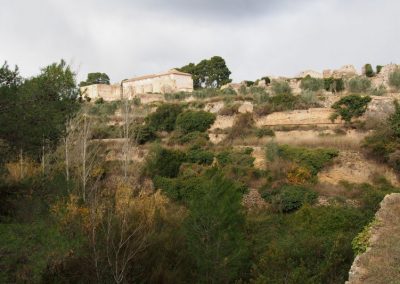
208, 73
95, 78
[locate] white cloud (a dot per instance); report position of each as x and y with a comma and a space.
126, 38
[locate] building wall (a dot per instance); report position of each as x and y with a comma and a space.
161, 84
107, 92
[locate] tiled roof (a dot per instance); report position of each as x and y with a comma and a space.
169, 72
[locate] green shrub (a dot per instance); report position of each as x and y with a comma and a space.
163, 119
361, 242
193, 138
334, 85
309, 98
177, 96
99, 101
394, 79
143, 134
190, 121
369, 72
229, 110
200, 156
311, 84
351, 106
261, 132
380, 91
282, 102
103, 131
105, 108
242, 126
289, 197
249, 83
281, 88
264, 109
229, 91
313, 159
267, 80
164, 162
378, 69
359, 85
206, 93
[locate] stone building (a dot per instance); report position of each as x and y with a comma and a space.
167, 82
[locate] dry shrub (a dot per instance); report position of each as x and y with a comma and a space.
29, 169
243, 126
299, 175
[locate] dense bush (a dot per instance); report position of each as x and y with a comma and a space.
289, 197
334, 85
177, 96
378, 69
143, 134
163, 119
164, 162
394, 79
369, 72
261, 132
104, 108
359, 84
197, 155
242, 126
312, 84
380, 91
231, 109
190, 121
281, 87
351, 106
193, 138
101, 131
313, 159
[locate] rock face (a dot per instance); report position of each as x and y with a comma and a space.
346, 71
214, 107
246, 107
297, 117
382, 79
311, 73
380, 262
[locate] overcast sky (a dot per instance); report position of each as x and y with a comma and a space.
126, 38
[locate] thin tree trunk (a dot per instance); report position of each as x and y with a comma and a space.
84, 157
21, 164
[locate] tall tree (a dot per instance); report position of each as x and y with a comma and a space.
208, 73
95, 78
215, 230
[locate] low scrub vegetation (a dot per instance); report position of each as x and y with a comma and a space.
359, 85
349, 107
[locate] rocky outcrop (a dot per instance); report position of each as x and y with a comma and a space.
214, 107
380, 263
382, 79
311, 73
345, 71
297, 117
246, 107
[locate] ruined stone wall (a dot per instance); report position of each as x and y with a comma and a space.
162, 84
107, 92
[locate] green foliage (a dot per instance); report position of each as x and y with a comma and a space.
102, 131
208, 73
36, 110
197, 155
164, 118
288, 198
361, 242
359, 85
380, 91
351, 106
190, 121
249, 83
231, 109
312, 84
314, 159
309, 98
312, 245
261, 132
193, 138
215, 230
99, 101
9, 78
177, 96
104, 109
369, 72
267, 80
143, 134
394, 79
378, 69
95, 78
334, 85
242, 126
163, 162
281, 88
